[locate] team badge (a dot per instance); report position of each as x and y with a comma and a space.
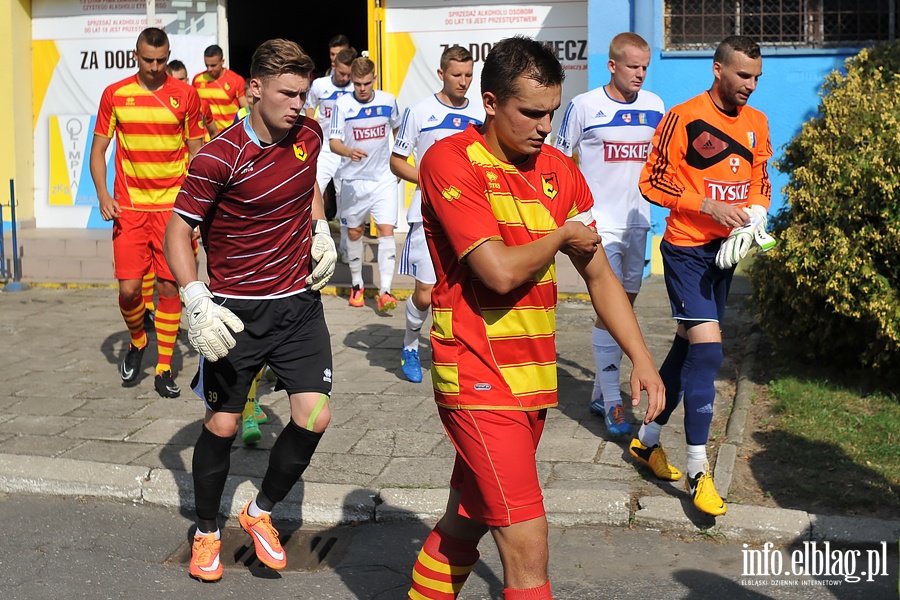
368, 112
549, 184
227, 87
751, 138
626, 117
642, 118
450, 194
174, 101
735, 164
457, 122
300, 151
378, 111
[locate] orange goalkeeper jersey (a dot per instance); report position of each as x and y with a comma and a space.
701, 152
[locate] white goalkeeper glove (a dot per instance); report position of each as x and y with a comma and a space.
323, 254
207, 321
741, 239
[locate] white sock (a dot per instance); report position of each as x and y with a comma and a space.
354, 259
254, 510
649, 434
414, 320
696, 460
608, 359
387, 261
344, 239
217, 532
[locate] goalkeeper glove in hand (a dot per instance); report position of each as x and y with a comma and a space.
741, 239
323, 254
208, 322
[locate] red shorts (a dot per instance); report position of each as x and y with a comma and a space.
495, 470
137, 244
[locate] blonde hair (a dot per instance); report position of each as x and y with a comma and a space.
623, 40
361, 67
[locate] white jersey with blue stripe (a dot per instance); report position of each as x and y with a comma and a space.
366, 127
323, 93
612, 140
426, 122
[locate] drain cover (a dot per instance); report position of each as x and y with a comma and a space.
307, 550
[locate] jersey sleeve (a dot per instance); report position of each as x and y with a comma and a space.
239, 83
569, 130
312, 100
106, 117
194, 117
659, 178
395, 115
760, 187
207, 176
337, 122
407, 135
455, 195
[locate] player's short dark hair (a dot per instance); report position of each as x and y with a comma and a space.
339, 40
457, 53
214, 50
346, 56
517, 56
153, 36
280, 57
736, 43
175, 65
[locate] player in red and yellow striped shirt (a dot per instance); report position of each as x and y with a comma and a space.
497, 206
152, 116
222, 88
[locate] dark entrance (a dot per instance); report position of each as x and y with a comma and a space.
310, 23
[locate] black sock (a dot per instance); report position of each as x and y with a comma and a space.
212, 459
288, 459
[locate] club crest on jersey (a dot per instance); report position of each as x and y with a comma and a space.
549, 184
378, 110
227, 87
174, 101
368, 112
751, 139
642, 118
626, 117
457, 122
450, 194
735, 164
300, 151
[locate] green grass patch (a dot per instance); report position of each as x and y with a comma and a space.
834, 445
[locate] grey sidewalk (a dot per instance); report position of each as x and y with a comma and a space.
68, 426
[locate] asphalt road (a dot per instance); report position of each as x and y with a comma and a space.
65, 547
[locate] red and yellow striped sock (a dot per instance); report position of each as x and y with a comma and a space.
168, 316
147, 287
538, 593
133, 313
443, 566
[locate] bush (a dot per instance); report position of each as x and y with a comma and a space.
829, 290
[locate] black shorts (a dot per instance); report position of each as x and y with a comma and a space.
288, 334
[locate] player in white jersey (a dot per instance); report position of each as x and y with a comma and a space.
610, 128
425, 122
361, 123
323, 94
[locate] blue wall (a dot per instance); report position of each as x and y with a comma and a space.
788, 91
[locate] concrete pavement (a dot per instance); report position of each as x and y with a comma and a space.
69, 427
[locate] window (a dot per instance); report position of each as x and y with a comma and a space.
700, 24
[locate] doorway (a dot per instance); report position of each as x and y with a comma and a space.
310, 24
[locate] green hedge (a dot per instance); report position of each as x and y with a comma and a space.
829, 291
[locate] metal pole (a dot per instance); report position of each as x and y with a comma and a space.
15, 285
3, 273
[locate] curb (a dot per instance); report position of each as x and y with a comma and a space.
327, 504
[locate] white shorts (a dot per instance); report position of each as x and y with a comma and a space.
361, 198
415, 260
626, 250
326, 169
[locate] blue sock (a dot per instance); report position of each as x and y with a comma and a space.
670, 373
699, 376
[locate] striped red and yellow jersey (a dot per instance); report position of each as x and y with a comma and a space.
493, 351
222, 95
701, 152
150, 129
